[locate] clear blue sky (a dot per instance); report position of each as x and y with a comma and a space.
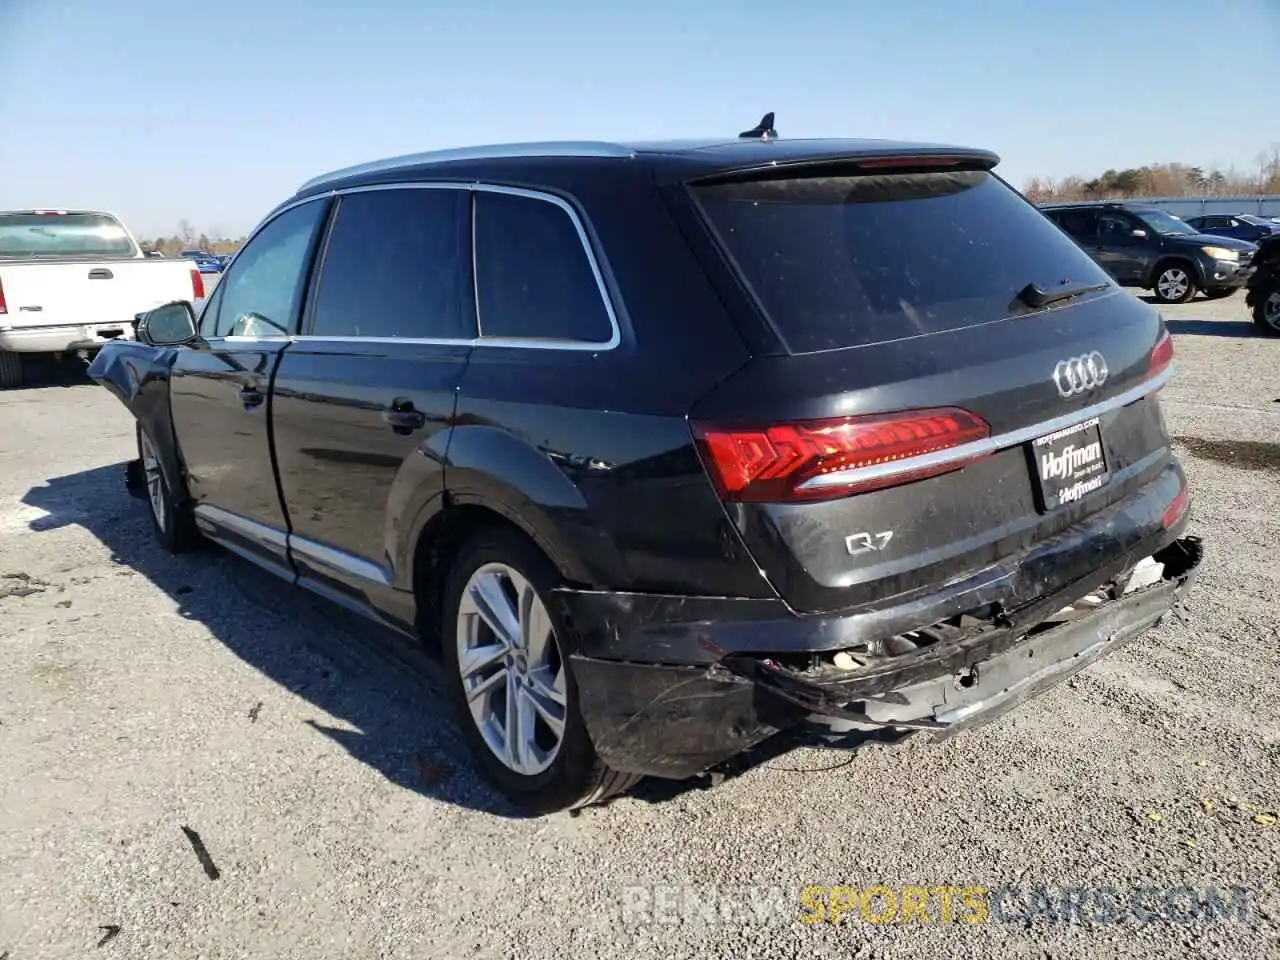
214, 111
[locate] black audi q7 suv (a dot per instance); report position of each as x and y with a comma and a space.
671, 447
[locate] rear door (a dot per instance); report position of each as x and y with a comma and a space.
926, 413
1081, 224
220, 387
363, 397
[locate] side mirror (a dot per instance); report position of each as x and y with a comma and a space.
168, 325
1138, 234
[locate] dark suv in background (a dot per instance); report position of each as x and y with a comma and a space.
670, 447
1142, 246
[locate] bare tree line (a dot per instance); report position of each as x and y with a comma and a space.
186, 237
1161, 180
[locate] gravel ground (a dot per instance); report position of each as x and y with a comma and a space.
144, 695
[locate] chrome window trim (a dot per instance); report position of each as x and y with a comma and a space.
990, 445
499, 151
522, 343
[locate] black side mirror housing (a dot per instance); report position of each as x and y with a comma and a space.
168, 325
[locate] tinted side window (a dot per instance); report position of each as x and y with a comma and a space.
260, 294
1117, 228
1081, 224
397, 264
533, 275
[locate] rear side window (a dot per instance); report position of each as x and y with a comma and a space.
1081, 224
398, 264
40, 235
534, 278
845, 261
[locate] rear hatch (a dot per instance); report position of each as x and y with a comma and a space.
955, 380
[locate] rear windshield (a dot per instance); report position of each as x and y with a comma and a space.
845, 261
41, 235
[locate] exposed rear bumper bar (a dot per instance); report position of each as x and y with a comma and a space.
63, 338
676, 721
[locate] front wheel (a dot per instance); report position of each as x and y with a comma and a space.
1174, 283
510, 680
1266, 313
171, 521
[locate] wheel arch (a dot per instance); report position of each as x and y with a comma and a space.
1197, 273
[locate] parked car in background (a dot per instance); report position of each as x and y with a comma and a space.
674, 446
1142, 246
72, 280
206, 262
1241, 226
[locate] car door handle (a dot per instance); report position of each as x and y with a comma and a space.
100, 273
402, 417
251, 397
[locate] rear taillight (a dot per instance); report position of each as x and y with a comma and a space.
1161, 355
197, 285
4, 307
1176, 509
825, 459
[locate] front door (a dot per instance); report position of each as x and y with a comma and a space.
364, 397
1119, 251
221, 385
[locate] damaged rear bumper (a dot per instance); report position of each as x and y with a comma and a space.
675, 721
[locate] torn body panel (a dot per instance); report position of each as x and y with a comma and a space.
138, 375
679, 720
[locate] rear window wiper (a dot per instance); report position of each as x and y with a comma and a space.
1034, 297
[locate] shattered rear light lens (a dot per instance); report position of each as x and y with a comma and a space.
825, 459
1161, 355
1177, 508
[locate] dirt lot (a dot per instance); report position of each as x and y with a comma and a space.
143, 696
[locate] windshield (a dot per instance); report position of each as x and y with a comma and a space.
42, 235
1256, 221
1163, 223
845, 261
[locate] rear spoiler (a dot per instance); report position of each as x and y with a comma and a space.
915, 160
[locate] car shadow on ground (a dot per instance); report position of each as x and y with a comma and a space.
1211, 328
39, 370
384, 690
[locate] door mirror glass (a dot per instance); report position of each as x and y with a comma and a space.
169, 325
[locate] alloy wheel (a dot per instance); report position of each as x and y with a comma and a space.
155, 481
513, 676
1173, 283
1271, 310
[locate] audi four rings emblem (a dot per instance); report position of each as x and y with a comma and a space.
1080, 374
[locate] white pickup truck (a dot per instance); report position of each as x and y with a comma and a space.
70, 280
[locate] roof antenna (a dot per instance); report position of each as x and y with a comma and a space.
762, 130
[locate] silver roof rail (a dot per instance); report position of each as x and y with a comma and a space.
566, 148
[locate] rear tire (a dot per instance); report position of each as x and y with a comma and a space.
1266, 313
517, 702
172, 522
1174, 283
10, 370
